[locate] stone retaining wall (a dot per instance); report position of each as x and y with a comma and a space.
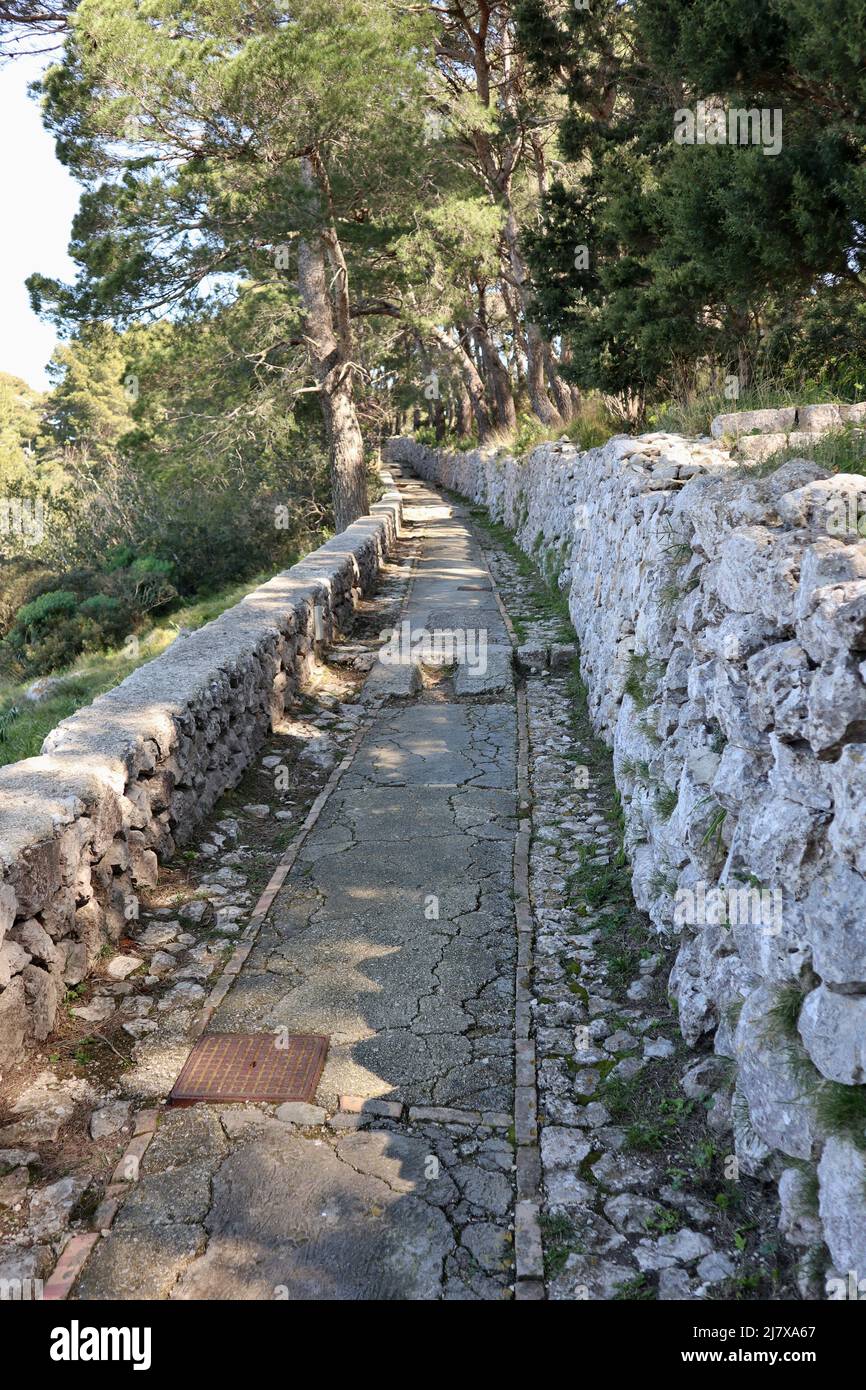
84, 826
722, 628
758, 434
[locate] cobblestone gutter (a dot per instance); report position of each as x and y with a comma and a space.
721, 615
84, 826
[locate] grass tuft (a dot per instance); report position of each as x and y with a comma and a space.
842, 1111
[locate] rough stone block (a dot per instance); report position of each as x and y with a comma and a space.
742, 422
842, 1203
13, 1022
833, 1029
493, 674
780, 1098
386, 681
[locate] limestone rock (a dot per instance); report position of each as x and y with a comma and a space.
109, 1119
97, 1011
833, 1029
119, 967
715, 1268
742, 422
703, 1077
50, 1207
798, 1222
13, 1187
13, 1022
631, 1214
842, 1202
834, 918
13, 958
35, 940
297, 1112
780, 1100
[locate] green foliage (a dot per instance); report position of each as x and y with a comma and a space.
600, 884
841, 451
119, 557
592, 424
560, 1238
782, 1017
47, 608
24, 724
7, 719
638, 680
20, 427
160, 498
713, 833
704, 253
101, 606
89, 406
842, 1110
636, 1289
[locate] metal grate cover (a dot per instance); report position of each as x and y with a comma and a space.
251, 1066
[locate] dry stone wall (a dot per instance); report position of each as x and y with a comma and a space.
721, 615
758, 434
120, 783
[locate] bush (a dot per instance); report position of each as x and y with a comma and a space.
20, 582
149, 567
119, 557
101, 607
53, 629
223, 541
48, 608
193, 547
110, 615
53, 648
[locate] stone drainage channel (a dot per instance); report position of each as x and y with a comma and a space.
400, 922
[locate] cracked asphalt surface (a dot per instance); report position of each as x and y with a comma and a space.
394, 935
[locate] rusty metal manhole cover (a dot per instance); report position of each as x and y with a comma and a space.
251, 1066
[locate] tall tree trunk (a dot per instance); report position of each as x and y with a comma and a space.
495, 371
464, 413
498, 162
509, 299
471, 380
500, 386
328, 338
535, 345
744, 365
566, 358
558, 388
437, 418
535, 383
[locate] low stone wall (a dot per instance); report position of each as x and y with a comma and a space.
758, 434
83, 826
722, 628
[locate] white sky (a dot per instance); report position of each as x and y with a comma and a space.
40, 199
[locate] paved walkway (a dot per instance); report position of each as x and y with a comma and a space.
394, 934
449, 950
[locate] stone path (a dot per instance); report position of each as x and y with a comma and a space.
394, 934
642, 1197
507, 1109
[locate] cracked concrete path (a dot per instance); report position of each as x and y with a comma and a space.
393, 934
